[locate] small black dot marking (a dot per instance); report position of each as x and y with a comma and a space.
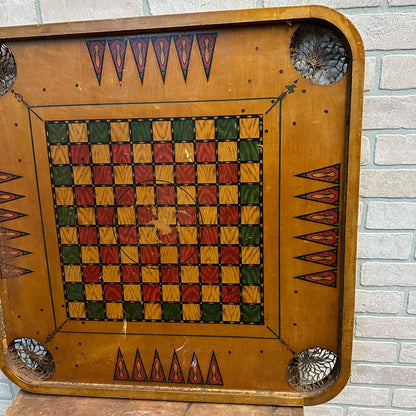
229, 352
294, 123
266, 131
243, 110
326, 111
249, 81
19, 316
15, 124
281, 71
295, 324
79, 343
76, 85
257, 48
41, 309
76, 365
43, 89
303, 91
261, 351
19, 160
272, 101
296, 291
56, 348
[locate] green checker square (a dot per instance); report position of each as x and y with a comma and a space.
95, 310
171, 311
57, 133
250, 236
140, 131
211, 312
227, 128
183, 130
250, 194
66, 216
98, 132
251, 313
61, 175
71, 255
251, 275
74, 291
249, 151
133, 311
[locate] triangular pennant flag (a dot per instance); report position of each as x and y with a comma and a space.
175, 373
7, 271
139, 47
214, 374
328, 217
161, 46
96, 48
328, 258
5, 177
327, 278
118, 49
6, 215
327, 196
157, 373
139, 372
7, 196
206, 43
7, 234
10, 253
183, 44
327, 237
326, 174
120, 372
195, 375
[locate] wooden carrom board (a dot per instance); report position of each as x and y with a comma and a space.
178, 205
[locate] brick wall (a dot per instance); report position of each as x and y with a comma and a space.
383, 379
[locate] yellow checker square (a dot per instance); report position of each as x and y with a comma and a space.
123, 175
164, 173
145, 195
142, 153
150, 274
76, 310
231, 313
100, 153
77, 132
210, 293
68, 235
189, 274
205, 129
188, 235
168, 254
132, 293
186, 195
107, 235
209, 215
250, 215
59, 155
170, 293
249, 128
119, 131
207, 173
228, 194
227, 151
126, 215
72, 273
249, 172
250, 255
209, 254
82, 175
86, 216
251, 294
93, 292
230, 274
184, 152
191, 312
64, 196
111, 274
147, 235
229, 235
114, 310
89, 254
129, 254
104, 195
152, 311
167, 215
162, 130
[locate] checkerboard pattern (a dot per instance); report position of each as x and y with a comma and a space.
160, 219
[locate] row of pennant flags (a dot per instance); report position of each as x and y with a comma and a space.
161, 47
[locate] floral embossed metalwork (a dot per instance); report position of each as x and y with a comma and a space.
7, 69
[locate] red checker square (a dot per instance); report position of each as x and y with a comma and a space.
121, 153
205, 152
102, 175
190, 293
163, 152
127, 235
207, 194
91, 273
80, 154
230, 255
124, 195
149, 254
112, 292
88, 235
170, 274
187, 215
210, 274
165, 195
109, 254
228, 173
106, 216
229, 215
189, 254
230, 294
145, 215
130, 274
151, 293
208, 235
84, 195
185, 174
169, 238
143, 173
